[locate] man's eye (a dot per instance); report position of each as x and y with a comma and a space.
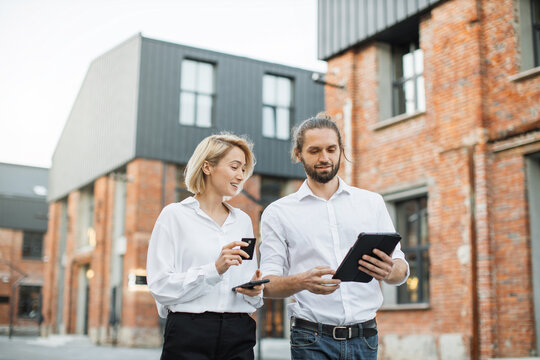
234, 168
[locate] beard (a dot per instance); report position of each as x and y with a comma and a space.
321, 177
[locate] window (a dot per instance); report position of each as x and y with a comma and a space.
197, 93
413, 226
529, 34
277, 107
85, 218
29, 301
535, 14
409, 212
408, 94
181, 191
32, 245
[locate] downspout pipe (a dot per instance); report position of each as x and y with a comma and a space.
475, 344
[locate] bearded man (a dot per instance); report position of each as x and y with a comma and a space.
306, 235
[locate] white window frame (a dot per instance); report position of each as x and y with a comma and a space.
197, 94
274, 106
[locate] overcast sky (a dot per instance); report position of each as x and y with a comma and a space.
46, 48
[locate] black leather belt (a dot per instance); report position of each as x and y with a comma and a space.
369, 328
208, 315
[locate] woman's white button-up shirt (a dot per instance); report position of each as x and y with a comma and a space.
181, 270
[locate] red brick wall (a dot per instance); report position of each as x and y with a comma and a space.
144, 200
11, 241
477, 198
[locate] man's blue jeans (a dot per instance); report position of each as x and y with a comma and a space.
313, 345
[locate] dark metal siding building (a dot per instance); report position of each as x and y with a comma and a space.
128, 107
345, 23
22, 197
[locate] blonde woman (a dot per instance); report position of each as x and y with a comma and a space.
194, 259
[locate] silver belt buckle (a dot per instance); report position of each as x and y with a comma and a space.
341, 327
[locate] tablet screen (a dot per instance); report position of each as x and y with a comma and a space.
364, 245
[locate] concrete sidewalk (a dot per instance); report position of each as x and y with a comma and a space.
68, 347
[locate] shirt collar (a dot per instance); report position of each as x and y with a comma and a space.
193, 203
305, 191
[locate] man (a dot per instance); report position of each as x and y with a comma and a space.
306, 235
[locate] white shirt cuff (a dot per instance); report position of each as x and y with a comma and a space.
211, 274
255, 301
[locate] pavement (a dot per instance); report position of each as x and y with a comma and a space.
68, 347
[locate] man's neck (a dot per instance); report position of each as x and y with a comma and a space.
321, 190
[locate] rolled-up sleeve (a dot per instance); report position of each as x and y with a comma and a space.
386, 225
167, 285
274, 251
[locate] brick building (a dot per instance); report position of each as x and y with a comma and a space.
23, 223
141, 110
440, 104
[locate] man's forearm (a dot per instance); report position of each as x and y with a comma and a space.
399, 271
282, 286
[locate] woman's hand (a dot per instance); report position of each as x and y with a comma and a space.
230, 257
256, 290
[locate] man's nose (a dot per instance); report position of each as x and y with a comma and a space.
324, 157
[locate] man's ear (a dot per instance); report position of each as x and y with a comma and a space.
206, 168
297, 155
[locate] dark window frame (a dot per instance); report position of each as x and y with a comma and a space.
535, 26
30, 250
27, 305
198, 93
275, 107
398, 83
418, 251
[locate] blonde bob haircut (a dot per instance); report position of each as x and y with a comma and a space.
212, 149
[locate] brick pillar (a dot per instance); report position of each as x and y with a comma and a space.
143, 205
50, 283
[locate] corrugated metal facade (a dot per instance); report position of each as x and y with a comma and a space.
238, 105
344, 23
99, 135
129, 104
20, 207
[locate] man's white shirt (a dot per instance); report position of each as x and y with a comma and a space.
302, 231
181, 270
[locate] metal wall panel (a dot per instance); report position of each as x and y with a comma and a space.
23, 213
238, 105
345, 23
128, 107
21, 207
20, 180
99, 135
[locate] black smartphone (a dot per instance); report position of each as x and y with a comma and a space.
250, 248
251, 284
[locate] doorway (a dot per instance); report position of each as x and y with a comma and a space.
83, 294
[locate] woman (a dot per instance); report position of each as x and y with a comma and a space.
194, 259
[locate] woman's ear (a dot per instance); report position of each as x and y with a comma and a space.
206, 168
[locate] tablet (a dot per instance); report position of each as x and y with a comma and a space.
364, 245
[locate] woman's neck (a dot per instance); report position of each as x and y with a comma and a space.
211, 203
